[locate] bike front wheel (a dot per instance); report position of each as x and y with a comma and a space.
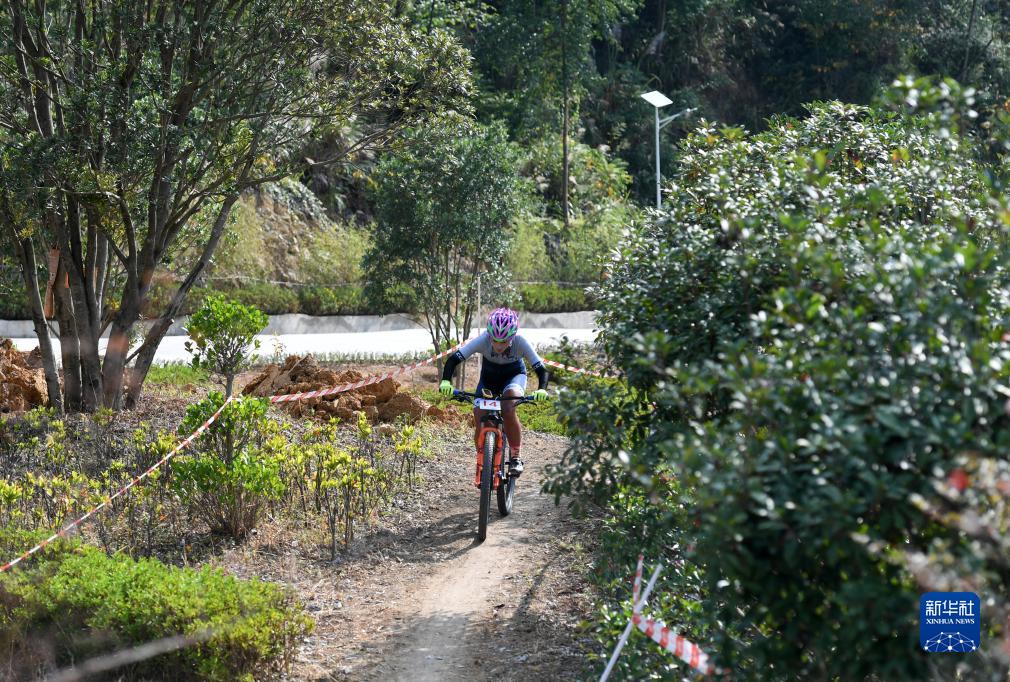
486, 476
506, 486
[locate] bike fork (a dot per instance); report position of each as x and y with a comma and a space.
496, 461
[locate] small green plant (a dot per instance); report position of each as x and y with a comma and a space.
222, 334
235, 466
408, 445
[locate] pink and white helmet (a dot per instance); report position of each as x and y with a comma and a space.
502, 324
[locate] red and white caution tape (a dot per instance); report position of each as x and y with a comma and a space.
577, 370
273, 399
136, 479
682, 648
203, 427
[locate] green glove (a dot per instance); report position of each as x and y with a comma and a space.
445, 388
539, 395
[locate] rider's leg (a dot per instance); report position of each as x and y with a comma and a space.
477, 414
516, 388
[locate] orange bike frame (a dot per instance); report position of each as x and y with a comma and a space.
497, 455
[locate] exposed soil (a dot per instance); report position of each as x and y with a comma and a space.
382, 401
22, 381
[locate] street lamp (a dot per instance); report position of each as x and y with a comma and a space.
659, 100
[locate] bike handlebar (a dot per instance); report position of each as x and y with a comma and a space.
459, 395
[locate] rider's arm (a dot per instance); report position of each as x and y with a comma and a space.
451, 363
542, 375
536, 364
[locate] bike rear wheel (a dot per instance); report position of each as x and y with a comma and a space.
507, 485
486, 476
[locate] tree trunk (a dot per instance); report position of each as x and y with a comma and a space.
70, 350
564, 113
145, 354
967, 41
28, 270
115, 362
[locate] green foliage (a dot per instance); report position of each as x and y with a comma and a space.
532, 55
222, 334
322, 300
350, 483
245, 629
812, 333
738, 203
334, 256
597, 180
445, 204
176, 374
234, 468
547, 298
542, 417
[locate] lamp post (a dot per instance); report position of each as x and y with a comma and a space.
659, 100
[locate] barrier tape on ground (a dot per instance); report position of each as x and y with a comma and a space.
305, 395
136, 479
683, 649
656, 630
203, 427
577, 370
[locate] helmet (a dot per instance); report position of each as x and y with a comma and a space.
502, 324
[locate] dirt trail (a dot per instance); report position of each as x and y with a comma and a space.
456, 603
426, 602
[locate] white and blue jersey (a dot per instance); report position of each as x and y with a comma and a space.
500, 371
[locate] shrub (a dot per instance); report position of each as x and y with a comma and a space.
222, 334
235, 465
323, 300
246, 629
272, 299
547, 298
812, 334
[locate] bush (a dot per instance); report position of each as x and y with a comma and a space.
322, 300
249, 629
235, 466
222, 336
547, 298
812, 335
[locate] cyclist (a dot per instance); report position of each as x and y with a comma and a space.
501, 372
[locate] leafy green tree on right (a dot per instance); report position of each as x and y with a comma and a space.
814, 338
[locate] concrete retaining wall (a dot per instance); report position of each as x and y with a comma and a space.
335, 324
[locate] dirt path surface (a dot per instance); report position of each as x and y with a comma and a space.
418, 598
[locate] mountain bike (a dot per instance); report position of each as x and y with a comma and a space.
493, 455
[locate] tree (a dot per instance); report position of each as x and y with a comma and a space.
813, 337
222, 337
445, 205
130, 129
543, 53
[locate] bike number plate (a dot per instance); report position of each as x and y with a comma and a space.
484, 404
